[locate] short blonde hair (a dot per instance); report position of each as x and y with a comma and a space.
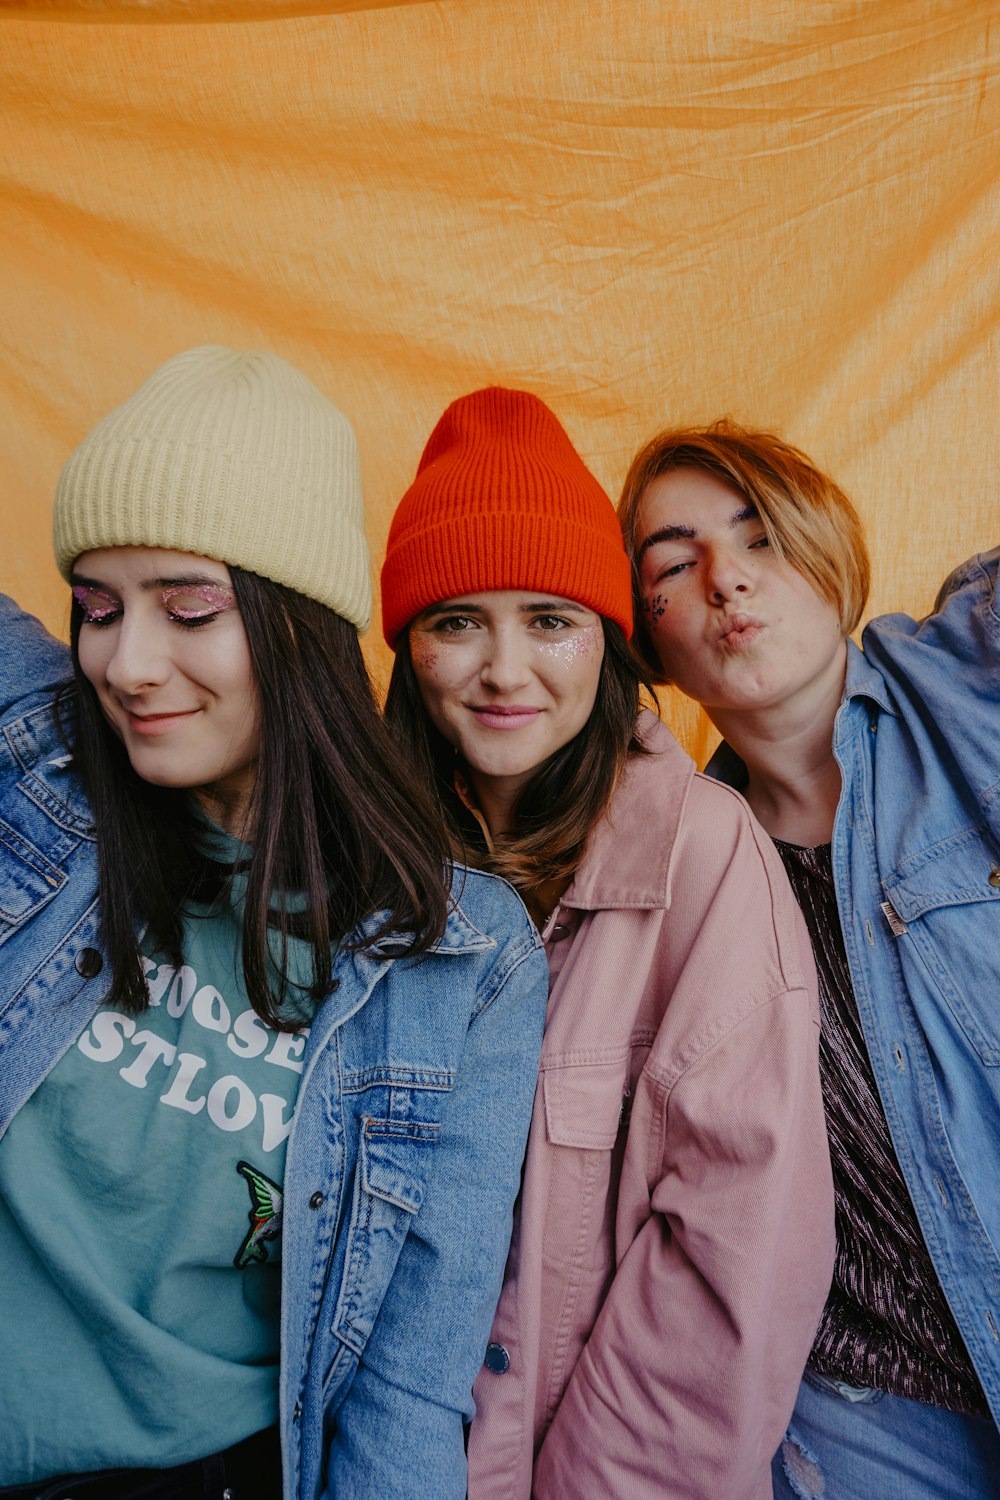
808, 519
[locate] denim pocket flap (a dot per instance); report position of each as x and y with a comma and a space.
27, 878
585, 1101
953, 872
396, 1161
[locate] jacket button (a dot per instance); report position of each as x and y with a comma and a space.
497, 1358
559, 931
995, 877
316, 1200
89, 963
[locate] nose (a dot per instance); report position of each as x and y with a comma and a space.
729, 575
139, 659
505, 667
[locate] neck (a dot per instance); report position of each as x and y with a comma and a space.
492, 802
230, 812
793, 780
494, 798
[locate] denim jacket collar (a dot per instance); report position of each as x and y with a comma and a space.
863, 681
459, 936
604, 880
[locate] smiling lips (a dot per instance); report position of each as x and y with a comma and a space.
511, 716
740, 631
157, 723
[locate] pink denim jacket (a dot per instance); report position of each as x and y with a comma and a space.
674, 1240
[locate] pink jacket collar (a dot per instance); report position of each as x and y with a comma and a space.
629, 858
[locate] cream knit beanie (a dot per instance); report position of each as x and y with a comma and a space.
234, 456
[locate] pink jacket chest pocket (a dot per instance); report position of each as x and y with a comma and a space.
586, 1111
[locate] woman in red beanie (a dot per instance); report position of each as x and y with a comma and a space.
674, 1239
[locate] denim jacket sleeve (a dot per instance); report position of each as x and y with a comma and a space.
944, 673
917, 841
415, 1380
32, 663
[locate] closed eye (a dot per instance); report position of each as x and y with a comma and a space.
192, 607
98, 608
99, 618
192, 622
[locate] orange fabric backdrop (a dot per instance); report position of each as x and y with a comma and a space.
784, 210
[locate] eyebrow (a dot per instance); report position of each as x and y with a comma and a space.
537, 606
665, 534
443, 608
542, 605
690, 533
184, 581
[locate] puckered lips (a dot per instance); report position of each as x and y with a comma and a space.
740, 631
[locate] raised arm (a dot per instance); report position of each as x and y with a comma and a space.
32, 663
944, 672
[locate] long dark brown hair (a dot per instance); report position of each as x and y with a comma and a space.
558, 807
338, 820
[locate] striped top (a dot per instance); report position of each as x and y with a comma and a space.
886, 1323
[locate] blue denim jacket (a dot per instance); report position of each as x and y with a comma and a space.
916, 863
404, 1159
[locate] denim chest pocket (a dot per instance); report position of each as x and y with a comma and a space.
949, 898
27, 880
395, 1160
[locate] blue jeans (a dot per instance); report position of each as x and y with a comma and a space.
848, 1443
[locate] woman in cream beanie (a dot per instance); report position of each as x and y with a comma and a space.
266, 1058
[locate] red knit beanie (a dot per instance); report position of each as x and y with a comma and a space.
502, 500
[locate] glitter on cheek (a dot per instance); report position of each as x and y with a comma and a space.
424, 653
582, 646
654, 608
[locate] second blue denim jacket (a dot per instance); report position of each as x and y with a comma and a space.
405, 1155
916, 864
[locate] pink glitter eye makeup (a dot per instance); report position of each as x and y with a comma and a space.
98, 607
192, 603
189, 604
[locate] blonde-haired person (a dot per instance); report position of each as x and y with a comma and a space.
673, 1243
266, 1060
876, 773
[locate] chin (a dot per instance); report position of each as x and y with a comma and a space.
165, 776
